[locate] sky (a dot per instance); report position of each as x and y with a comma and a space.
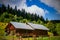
47, 8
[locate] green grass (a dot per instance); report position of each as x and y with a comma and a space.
44, 38
37, 38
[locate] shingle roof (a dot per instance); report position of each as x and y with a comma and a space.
38, 26
21, 25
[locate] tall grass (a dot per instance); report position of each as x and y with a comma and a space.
32, 38
43, 38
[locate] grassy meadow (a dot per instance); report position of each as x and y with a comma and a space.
37, 38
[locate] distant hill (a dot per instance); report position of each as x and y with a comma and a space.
8, 12
55, 21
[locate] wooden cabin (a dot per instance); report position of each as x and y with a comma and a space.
28, 29
21, 29
39, 30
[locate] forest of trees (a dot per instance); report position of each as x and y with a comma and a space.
8, 14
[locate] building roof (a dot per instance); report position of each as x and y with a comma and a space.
29, 26
21, 25
38, 26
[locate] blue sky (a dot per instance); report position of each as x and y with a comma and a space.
45, 8
52, 12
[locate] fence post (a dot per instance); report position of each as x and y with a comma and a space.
28, 37
42, 37
34, 37
20, 37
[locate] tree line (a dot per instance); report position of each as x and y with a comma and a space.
6, 10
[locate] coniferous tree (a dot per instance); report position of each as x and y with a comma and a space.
22, 13
8, 8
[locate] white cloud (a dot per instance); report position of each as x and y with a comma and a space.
53, 3
35, 9
22, 4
